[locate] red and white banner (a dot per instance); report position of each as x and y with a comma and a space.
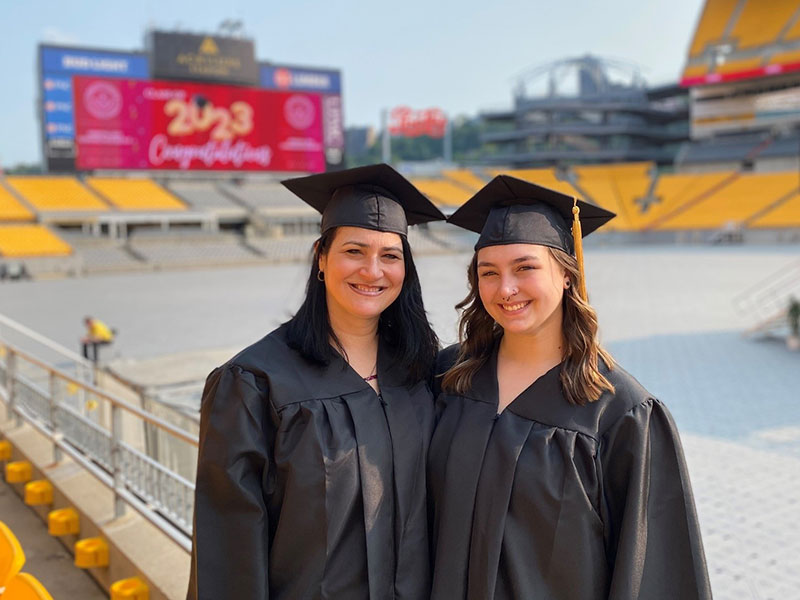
137, 124
406, 122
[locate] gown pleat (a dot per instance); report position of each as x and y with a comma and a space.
309, 486
560, 501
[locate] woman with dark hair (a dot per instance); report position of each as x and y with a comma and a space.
313, 441
552, 472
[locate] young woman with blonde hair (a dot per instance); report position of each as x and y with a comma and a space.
552, 472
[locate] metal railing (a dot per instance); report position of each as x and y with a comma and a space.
766, 302
102, 433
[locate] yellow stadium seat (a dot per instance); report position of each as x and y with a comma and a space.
31, 240
712, 24
25, 587
56, 194
760, 22
441, 191
466, 178
135, 194
12, 209
737, 202
12, 558
783, 214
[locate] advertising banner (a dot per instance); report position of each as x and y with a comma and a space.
133, 124
327, 83
203, 58
406, 122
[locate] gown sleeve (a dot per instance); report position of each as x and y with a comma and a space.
230, 547
652, 536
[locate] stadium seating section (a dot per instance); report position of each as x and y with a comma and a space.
442, 191
56, 194
758, 25
264, 196
621, 188
203, 195
735, 66
712, 24
135, 194
12, 209
544, 177
793, 32
743, 197
18, 241
785, 213
465, 178
674, 193
782, 58
753, 32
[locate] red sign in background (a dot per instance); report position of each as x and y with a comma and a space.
137, 124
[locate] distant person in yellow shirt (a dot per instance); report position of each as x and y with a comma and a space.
97, 334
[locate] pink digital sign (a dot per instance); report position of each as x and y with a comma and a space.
137, 124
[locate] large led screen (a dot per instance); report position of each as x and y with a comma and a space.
137, 124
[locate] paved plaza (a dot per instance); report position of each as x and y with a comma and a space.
667, 314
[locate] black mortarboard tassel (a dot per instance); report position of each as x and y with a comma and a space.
374, 197
508, 210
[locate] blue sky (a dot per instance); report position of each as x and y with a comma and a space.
459, 56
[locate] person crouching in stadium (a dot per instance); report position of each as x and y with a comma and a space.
97, 334
313, 441
552, 472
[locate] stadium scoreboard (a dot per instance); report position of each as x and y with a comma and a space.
188, 103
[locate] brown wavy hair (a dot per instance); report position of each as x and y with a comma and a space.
581, 379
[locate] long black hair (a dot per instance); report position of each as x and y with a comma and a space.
403, 326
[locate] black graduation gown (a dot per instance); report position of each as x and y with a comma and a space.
310, 486
554, 501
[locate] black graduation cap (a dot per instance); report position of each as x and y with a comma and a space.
373, 197
508, 210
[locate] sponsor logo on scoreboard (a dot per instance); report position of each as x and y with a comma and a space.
299, 79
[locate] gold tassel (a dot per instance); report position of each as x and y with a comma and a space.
577, 237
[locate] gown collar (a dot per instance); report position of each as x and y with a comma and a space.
541, 401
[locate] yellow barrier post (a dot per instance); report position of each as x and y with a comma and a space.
5, 450
91, 552
19, 471
64, 521
38, 493
132, 588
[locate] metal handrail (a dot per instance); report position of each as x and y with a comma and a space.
103, 454
114, 401
48, 343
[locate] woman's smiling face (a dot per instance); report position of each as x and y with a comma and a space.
363, 271
521, 287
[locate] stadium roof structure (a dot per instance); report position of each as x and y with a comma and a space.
607, 115
743, 39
